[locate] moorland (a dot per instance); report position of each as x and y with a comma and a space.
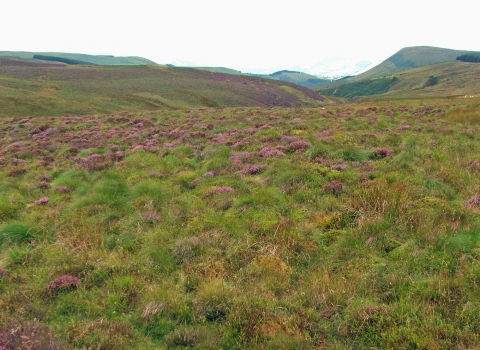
237, 213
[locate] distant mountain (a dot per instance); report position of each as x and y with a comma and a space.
106, 60
412, 57
408, 57
300, 78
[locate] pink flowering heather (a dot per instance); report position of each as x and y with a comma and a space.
64, 282
301, 144
384, 152
139, 125
156, 174
118, 155
221, 189
62, 188
474, 164
339, 167
334, 187
472, 202
41, 184
44, 177
19, 161
289, 139
2, 272
194, 182
42, 201
269, 152
209, 174
151, 216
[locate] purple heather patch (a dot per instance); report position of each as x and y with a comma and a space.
42, 201
269, 152
334, 187
384, 152
472, 202
41, 184
220, 189
62, 188
64, 282
19, 161
151, 216
299, 145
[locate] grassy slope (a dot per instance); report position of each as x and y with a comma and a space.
94, 59
352, 234
26, 90
408, 57
454, 79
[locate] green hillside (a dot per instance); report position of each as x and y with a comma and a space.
447, 79
26, 88
91, 59
406, 58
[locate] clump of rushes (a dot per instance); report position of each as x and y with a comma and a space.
63, 283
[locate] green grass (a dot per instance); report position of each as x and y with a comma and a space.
363, 232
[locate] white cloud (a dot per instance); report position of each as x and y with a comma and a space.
237, 34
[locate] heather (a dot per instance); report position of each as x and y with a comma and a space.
349, 226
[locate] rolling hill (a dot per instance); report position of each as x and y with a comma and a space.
446, 79
294, 77
30, 87
89, 59
406, 58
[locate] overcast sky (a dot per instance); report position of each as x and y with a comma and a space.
238, 34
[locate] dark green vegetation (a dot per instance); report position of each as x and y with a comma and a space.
470, 57
432, 80
59, 59
91, 59
362, 88
344, 227
33, 87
